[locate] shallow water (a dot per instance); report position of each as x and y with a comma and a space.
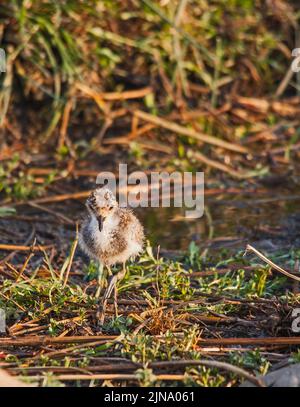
235, 219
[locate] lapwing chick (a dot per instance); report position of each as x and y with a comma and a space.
110, 235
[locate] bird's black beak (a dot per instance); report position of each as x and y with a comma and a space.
100, 220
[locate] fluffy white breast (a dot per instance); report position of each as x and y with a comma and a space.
103, 238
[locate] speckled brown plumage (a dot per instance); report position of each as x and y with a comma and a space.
122, 235
110, 235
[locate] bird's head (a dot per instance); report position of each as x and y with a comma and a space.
101, 203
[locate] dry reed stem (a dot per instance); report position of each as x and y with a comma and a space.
176, 128
273, 265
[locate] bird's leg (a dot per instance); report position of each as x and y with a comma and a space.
100, 279
116, 301
109, 271
112, 286
119, 276
114, 290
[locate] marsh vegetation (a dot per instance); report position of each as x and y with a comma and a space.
161, 85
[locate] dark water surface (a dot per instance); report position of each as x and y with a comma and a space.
231, 219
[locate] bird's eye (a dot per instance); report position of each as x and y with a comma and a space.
110, 208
